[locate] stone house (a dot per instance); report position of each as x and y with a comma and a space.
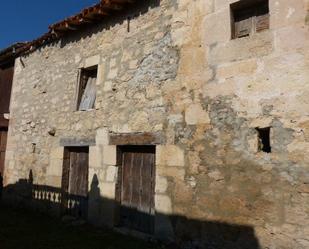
184, 120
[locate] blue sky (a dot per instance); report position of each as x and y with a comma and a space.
25, 20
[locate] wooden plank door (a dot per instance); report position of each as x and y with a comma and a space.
75, 181
137, 188
3, 140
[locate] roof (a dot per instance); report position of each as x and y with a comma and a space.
6, 55
94, 14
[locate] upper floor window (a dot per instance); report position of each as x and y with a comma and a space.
87, 88
249, 17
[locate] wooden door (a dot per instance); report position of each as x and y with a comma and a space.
137, 188
75, 181
3, 140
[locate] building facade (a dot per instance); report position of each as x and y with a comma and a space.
185, 120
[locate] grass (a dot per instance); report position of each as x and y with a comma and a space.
21, 229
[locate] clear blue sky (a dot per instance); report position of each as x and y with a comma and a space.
25, 20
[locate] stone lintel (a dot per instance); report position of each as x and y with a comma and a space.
138, 138
66, 142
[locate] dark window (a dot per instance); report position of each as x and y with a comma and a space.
87, 88
249, 17
264, 139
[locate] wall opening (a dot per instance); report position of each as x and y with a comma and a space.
249, 17
264, 139
87, 88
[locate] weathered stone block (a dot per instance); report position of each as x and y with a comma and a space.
174, 172
109, 154
238, 69
57, 153
284, 14
53, 181
113, 73
108, 86
163, 204
215, 31
111, 173
101, 73
257, 45
170, 155
161, 185
92, 61
95, 156
195, 114
55, 167
192, 61
108, 190
102, 136
300, 36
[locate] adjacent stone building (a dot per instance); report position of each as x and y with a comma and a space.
185, 120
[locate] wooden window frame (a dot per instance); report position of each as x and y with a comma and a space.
251, 13
83, 76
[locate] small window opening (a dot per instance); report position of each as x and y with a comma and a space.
87, 88
264, 139
249, 17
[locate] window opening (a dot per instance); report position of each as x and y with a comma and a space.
87, 88
264, 139
249, 17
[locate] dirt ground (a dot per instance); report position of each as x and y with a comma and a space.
21, 229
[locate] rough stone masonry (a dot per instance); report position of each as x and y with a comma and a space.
177, 74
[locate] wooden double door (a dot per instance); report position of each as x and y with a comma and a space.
136, 185
75, 181
3, 140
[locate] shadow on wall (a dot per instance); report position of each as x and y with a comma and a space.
188, 233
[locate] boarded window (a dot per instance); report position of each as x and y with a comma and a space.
249, 17
87, 88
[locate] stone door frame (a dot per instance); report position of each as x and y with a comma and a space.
108, 142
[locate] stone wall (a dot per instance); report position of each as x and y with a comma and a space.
177, 72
